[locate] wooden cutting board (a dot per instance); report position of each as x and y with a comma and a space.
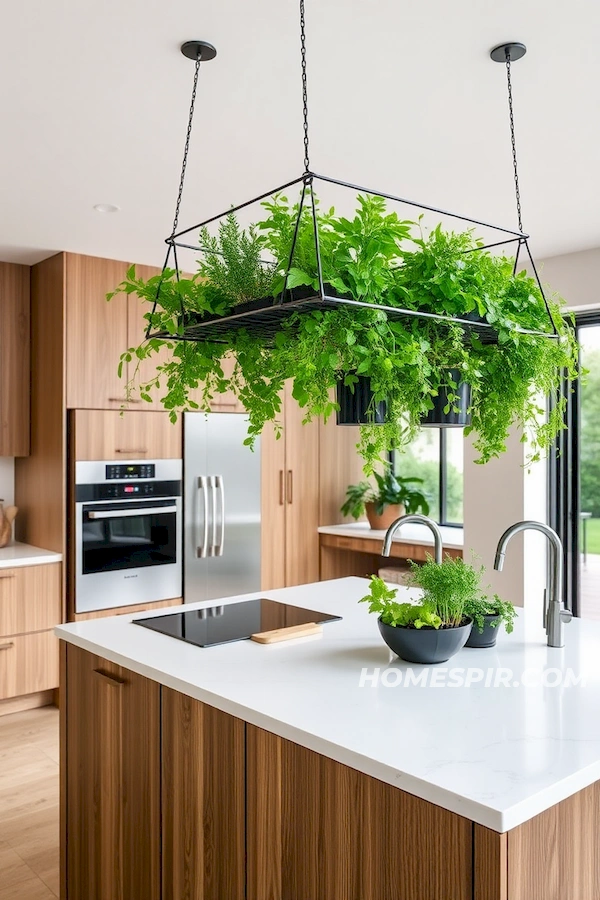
286, 634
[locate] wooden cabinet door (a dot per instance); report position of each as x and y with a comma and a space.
273, 510
28, 664
112, 796
301, 495
203, 790
96, 332
144, 370
14, 360
320, 830
109, 434
30, 599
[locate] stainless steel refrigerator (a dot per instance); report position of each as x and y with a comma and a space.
221, 508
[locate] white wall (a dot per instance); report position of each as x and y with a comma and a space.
7, 480
575, 276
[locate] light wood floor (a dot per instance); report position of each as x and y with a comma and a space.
29, 805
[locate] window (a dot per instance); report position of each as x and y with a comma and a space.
436, 456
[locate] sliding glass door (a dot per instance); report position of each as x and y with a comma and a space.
575, 488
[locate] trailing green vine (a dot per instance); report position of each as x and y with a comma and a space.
376, 258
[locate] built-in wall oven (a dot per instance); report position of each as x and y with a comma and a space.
127, 533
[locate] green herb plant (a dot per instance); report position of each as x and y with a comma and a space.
382, 601
390, 490
503, 611
376, 258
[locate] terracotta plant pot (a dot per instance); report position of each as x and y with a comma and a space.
389, 515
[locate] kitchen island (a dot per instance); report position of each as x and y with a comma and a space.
324, 769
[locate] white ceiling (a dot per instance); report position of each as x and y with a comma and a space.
94, 98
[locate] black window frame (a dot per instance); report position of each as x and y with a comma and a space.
564, 494
442, 482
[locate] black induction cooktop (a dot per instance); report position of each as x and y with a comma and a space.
232, 622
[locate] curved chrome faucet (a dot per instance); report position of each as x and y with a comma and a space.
421, 520
554, 612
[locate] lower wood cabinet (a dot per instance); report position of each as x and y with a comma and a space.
166, 798
320, 830
111, 782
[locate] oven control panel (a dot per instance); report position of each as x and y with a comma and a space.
138, 470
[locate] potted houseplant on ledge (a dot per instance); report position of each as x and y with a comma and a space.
436, 627
488, 615
391, 498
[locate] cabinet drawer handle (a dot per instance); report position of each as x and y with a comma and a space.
223, 403
113, 680
123, 400
6, 577
131, 452
281, 487
7, 646
290, 486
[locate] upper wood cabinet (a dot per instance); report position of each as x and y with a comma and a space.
133, 434
96, 332
14, 359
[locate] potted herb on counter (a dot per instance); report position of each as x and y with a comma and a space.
488, 615
391, 498
435, 628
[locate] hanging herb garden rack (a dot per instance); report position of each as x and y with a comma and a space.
304, 317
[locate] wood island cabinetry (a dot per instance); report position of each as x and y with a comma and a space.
166, 797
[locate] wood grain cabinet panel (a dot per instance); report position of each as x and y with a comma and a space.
320, 830
28, 664
556, 855
14, 360
203, 783
290, 500
109, 434
96, 332
30, 599
111, 814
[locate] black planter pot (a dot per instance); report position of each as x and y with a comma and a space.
356, 404
425, 645
438, 418
488, 636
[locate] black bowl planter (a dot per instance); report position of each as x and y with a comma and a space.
356, 403
458, 415
425, 645
488, 636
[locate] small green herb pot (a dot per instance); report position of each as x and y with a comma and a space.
488, 636
425, 645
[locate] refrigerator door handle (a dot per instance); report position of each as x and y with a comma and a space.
220, 484
202, 551
212, 479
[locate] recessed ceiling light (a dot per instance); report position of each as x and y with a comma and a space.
106, 208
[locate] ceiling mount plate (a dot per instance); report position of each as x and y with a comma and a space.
511, 50
202, 49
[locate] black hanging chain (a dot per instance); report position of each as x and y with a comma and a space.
513, 141
187, 141
304, 86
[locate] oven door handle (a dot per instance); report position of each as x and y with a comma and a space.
202, 551
130, 513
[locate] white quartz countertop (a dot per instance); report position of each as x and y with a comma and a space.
25, 555
407, 534
498, 752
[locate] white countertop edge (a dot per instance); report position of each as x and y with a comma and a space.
18, 554
488, 816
